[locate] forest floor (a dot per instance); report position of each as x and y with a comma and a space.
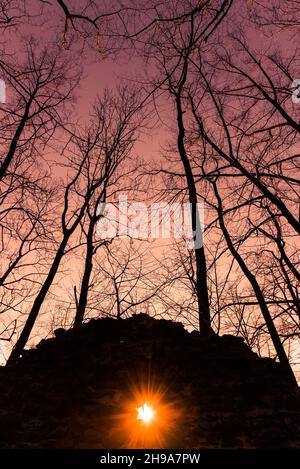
81, 388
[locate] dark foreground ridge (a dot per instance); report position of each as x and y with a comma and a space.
66, 392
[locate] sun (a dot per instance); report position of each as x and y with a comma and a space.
148, 417
145, 413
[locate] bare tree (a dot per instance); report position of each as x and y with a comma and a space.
256, 288
39, 89
238, 125
119, 132
126, 280
93, 159
39, 86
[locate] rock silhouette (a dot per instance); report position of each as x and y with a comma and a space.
65, 392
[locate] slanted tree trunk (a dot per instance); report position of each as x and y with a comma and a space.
24, 336
88, 267
258, 293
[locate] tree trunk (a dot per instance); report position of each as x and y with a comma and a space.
258, 293
88, 267
119, 312
13, 146
24, 336
201, 271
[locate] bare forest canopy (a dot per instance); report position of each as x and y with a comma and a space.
173, 102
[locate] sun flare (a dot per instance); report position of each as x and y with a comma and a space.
147, 419
145, 413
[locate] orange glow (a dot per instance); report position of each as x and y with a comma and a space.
147, 420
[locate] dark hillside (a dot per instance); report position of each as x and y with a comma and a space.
71, 390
